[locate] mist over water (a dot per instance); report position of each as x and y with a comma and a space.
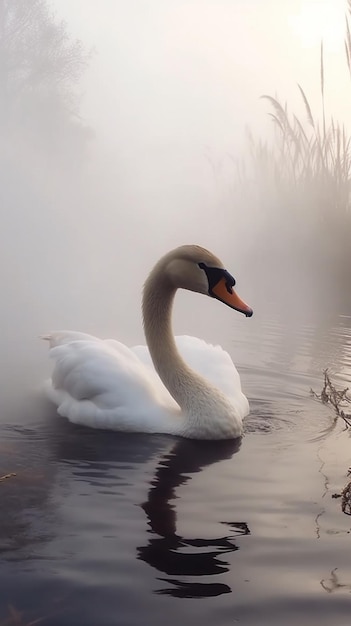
164, 102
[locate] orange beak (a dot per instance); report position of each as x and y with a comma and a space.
230, 297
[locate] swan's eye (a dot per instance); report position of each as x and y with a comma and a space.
230, 281
215, 274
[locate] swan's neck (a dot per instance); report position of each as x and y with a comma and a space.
195, 395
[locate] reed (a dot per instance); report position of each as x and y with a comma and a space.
315, 158
306, 167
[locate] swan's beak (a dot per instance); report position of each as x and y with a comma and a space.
230, 297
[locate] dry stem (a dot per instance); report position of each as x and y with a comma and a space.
338, 399
7, 476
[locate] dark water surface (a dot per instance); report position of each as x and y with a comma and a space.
101, 528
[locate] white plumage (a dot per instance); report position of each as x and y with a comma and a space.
104, 384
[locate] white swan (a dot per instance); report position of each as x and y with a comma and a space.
103, 384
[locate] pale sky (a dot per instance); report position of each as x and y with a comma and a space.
192, 71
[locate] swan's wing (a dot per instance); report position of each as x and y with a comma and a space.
142, 354
211, 362
216, 365
104, 384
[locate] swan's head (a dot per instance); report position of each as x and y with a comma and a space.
197, 269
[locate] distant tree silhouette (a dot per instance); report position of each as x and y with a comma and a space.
40, 66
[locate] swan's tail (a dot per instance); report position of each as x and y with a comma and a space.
56, 338
50, 338
61, 337
45, 337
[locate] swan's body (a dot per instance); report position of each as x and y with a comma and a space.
104, 384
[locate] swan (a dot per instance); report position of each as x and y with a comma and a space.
177, 385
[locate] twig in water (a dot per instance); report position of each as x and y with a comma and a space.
346, 499
338, 399
7, 476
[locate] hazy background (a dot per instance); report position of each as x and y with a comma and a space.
145, 161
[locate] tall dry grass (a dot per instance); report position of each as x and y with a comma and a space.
306, 168
312, 155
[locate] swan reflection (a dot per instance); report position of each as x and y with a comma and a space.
167, 551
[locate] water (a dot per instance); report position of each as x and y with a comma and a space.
108, 528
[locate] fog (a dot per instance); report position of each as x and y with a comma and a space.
164, 102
